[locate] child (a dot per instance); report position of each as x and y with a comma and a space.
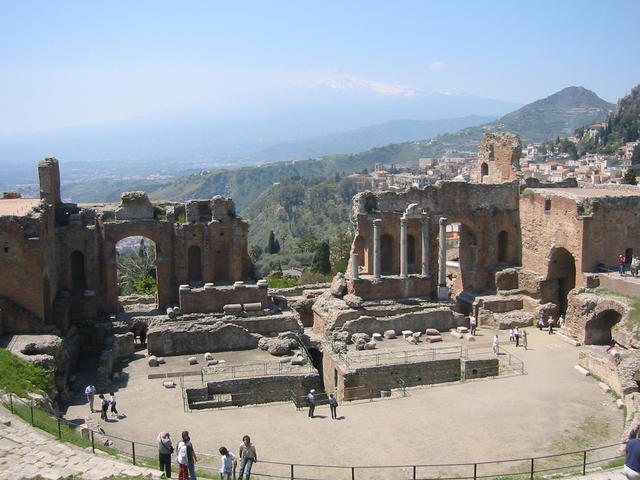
228, 464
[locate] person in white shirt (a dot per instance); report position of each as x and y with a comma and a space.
496, 344
473, 324
228, 463
90, 392
112, 402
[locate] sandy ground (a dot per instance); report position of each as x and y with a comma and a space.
551, 409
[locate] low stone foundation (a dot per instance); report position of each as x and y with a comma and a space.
212, 298
370, 288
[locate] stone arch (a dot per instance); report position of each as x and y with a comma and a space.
503, 247
561, 277
78, 277
462, 239
194, 264
386, 254
484, 171
597, 330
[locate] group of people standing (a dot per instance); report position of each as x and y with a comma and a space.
105, 403
312, 400
515, 335
634, 265
186, 458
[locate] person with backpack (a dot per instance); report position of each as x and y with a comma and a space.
104, 407
333, 405
165, 449
228, 464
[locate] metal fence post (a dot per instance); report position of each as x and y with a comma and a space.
475, 471
59, 430
133, 452
531, 477
11, 401
93, 445
584, 462
353, 473
414, 472
292, 471
31, 406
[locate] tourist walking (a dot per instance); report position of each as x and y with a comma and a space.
311, 401
551, 322
496, 344
525, 338
248, 457
473, 324
228, 464
512, 335
632, 460
183, 460
165, 449
112, 402
333, 405
541, 321
90, 392
143, 336
621, 262
516, 335
635, 265
191, 455
104, 407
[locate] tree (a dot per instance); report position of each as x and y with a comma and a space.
136, 272
635, 157
321, 262
255, 252
271, 244
630, 176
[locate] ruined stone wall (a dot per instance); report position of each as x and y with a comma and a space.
549, 222
212, 299
499, 157
390, 287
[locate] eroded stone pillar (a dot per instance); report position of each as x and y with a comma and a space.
442, 260
354, 266
425, 245
377, 261
404, 267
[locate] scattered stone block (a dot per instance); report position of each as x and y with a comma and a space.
232, 308
339, 347
291, 335
153, 361
170, 313
434, 338
406, 333
371, 345
389, 334
5, 421
360, 336
85, 432
341, 336
456, 333
462, 329
619, 403
352, 301
208, 356
604, 387
222, 361
281, 346
432, 331
192, 360
211, 363
417, 335
385, 393
284, 359
263, 343
582, 370
360, 343
298, 360
169, 384
469, 338
411, 339
377, 337
252, 307
338, 285
161, 360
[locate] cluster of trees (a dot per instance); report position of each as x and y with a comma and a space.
137, 270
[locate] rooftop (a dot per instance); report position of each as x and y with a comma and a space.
580, 193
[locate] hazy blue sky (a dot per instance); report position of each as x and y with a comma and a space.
75, 63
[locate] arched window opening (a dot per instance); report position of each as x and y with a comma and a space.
78, 278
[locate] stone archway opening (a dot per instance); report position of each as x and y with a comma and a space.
598, 329
78, 277
562, 277
462, 247
386, 254
194, 265
136, 258
484, 171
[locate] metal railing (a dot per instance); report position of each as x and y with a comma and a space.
146, 454
258, 369
402, 356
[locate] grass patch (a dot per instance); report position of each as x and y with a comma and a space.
21, 377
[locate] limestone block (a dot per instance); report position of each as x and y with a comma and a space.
192, 360
388, 334
604, 387
434, 338
352, 301
469, 338
432, 331
284, 360
153, 361
134, 206
5, 421
339, 347
582, 370
170, 313
406, 333
411, 339
376, 336
239, 284
252, 307
358, 336
619, 403
338, 285
176, 310
208, 356
370, 345
462, 329
263, 343
85, 432
169, 384
455, 333
385, 393
360, 343
161, 360
341, 336
281, 346
209, 286
417, 335
211, 363
298, 360
232, 308
289, 334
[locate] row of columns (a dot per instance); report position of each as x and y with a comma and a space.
404, 263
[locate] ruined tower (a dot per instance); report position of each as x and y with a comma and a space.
498, 157
49, 174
